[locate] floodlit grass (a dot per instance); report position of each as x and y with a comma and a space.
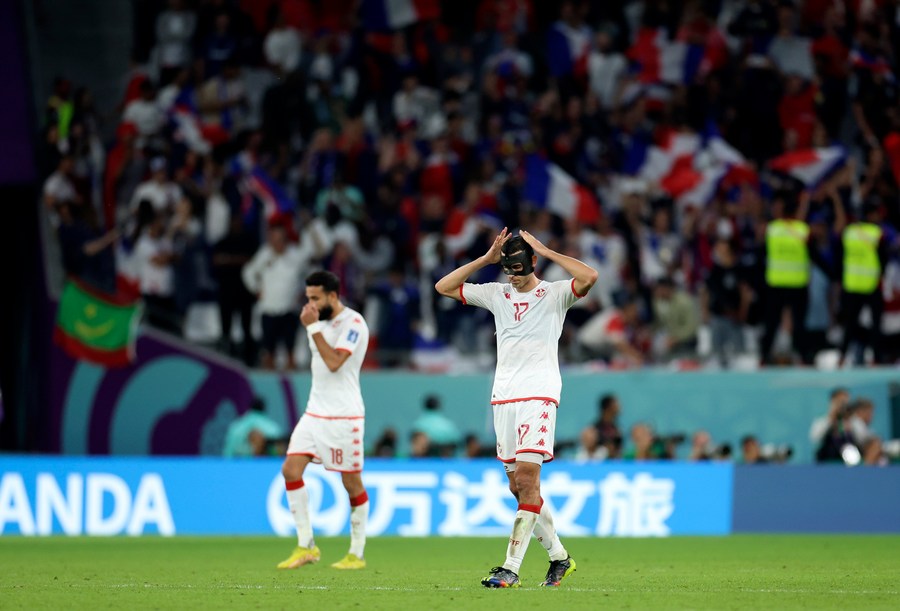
738, 572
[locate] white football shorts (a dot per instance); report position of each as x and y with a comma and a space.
336, 443
525, 431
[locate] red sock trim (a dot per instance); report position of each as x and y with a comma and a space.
294, 485
362, 498
532, 508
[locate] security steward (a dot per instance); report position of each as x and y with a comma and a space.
863, 254
788, 254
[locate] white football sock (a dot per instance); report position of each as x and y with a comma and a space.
359, 515
545, 532
298, 500
523, 528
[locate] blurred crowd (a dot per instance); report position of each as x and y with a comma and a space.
844, 435
258, 140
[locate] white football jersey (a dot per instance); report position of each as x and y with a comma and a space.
337, 393
528, 329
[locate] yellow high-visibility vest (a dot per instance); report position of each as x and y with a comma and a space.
862, 267
787, 259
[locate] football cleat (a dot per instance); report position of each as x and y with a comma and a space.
301, 556
500, 577
350, 562
559, 570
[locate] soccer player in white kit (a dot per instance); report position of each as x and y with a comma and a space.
528, 314
331, 429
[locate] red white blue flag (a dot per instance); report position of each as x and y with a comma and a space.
549, 187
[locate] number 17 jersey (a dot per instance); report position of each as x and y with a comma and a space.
528, 329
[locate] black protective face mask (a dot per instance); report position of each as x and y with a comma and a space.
507, 262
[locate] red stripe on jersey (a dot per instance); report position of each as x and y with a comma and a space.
550, 399
461, 296
359, 500
334, 417
576, 292
532, 508
294, 485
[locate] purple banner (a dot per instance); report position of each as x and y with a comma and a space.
174, 399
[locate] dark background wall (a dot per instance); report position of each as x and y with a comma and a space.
20, 303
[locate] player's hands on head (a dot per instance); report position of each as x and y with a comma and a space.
493, 253
309, 314
539, 248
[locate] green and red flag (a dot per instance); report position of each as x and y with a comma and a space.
95, 326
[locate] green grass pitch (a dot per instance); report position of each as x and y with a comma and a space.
737, 572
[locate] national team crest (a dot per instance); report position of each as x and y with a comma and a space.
353, 336
506, 295
540, 293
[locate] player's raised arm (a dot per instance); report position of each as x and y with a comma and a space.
585, 276
449, 284
309, 316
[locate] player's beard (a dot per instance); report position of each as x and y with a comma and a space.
326, 312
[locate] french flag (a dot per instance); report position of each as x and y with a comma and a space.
656, 59
674, 150
190, 130
568, 49
262, 187
690, 169
875, 64
551, 188
692, 186
396, 14
721, 153
810, 166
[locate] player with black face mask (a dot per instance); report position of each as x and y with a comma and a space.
528, 314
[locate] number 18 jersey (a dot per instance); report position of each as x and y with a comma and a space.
528, 329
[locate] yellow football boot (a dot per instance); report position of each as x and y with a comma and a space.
301, 556
350, 561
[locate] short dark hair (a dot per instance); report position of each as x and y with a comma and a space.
836, 391
327, 280
747, 439
606, 401
432, 403
515, 244
861, 403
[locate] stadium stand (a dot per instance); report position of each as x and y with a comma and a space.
660, 142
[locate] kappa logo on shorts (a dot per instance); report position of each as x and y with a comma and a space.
355, 429
545, 416
356, 442
541, 442
356, 464
547, 403
356, 452
543, 429
540, 293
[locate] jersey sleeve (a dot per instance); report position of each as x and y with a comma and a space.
480, 295
564, 290
353, 335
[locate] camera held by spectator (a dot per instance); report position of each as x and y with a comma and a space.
773, 453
